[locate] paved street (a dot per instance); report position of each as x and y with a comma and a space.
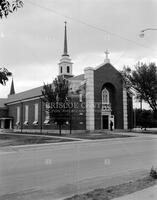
56, 171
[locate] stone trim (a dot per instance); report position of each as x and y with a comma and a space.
90, 120
125, 110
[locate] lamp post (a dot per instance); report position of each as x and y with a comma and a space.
142, 33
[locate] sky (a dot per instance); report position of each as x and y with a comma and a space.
31, 39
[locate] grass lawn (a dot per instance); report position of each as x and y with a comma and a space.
12, 140
117, 190
146, 132
21, 139
87, 136
95, 136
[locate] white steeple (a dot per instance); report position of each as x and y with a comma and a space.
65, 64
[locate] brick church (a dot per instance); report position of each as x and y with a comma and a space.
98, 96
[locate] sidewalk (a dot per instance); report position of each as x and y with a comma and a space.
137, 133
146, 194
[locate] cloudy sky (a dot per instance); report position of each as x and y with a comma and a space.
31, 39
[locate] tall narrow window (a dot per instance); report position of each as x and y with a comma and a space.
18, 115
68, 69
61, 70
26, 115
35, 114
105, 96
47, 114
80, 97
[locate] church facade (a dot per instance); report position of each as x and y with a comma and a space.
98, 97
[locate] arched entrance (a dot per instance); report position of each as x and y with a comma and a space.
108, 92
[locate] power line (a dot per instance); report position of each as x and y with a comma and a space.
90, 25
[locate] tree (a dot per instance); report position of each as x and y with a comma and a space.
144, 118
143, 80
56, 95
4, 74
6, 7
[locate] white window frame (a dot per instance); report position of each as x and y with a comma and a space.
18, 116
36, 113
80, 97
47, 114
26, 114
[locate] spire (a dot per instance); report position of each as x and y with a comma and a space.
65, 53
12, 90
65, 64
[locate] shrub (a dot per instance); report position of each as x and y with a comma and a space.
153, 173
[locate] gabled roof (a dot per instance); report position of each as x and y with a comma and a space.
77, 78
2, 102
104, 64
35, 92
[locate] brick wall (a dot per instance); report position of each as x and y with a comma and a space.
77, 115
3, 112
108, 75
130, 111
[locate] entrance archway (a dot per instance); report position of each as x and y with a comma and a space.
108, 104
105, 121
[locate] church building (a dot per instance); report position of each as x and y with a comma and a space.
98, 96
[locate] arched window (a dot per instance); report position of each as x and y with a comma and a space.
68, 69
105, 96
61, 69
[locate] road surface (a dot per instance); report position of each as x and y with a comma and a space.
55, 171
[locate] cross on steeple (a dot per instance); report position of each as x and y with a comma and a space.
107, 53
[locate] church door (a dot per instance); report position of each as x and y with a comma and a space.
105, 122
7, 124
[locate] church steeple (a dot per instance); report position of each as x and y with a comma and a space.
65, 64
65, 53
12, 89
